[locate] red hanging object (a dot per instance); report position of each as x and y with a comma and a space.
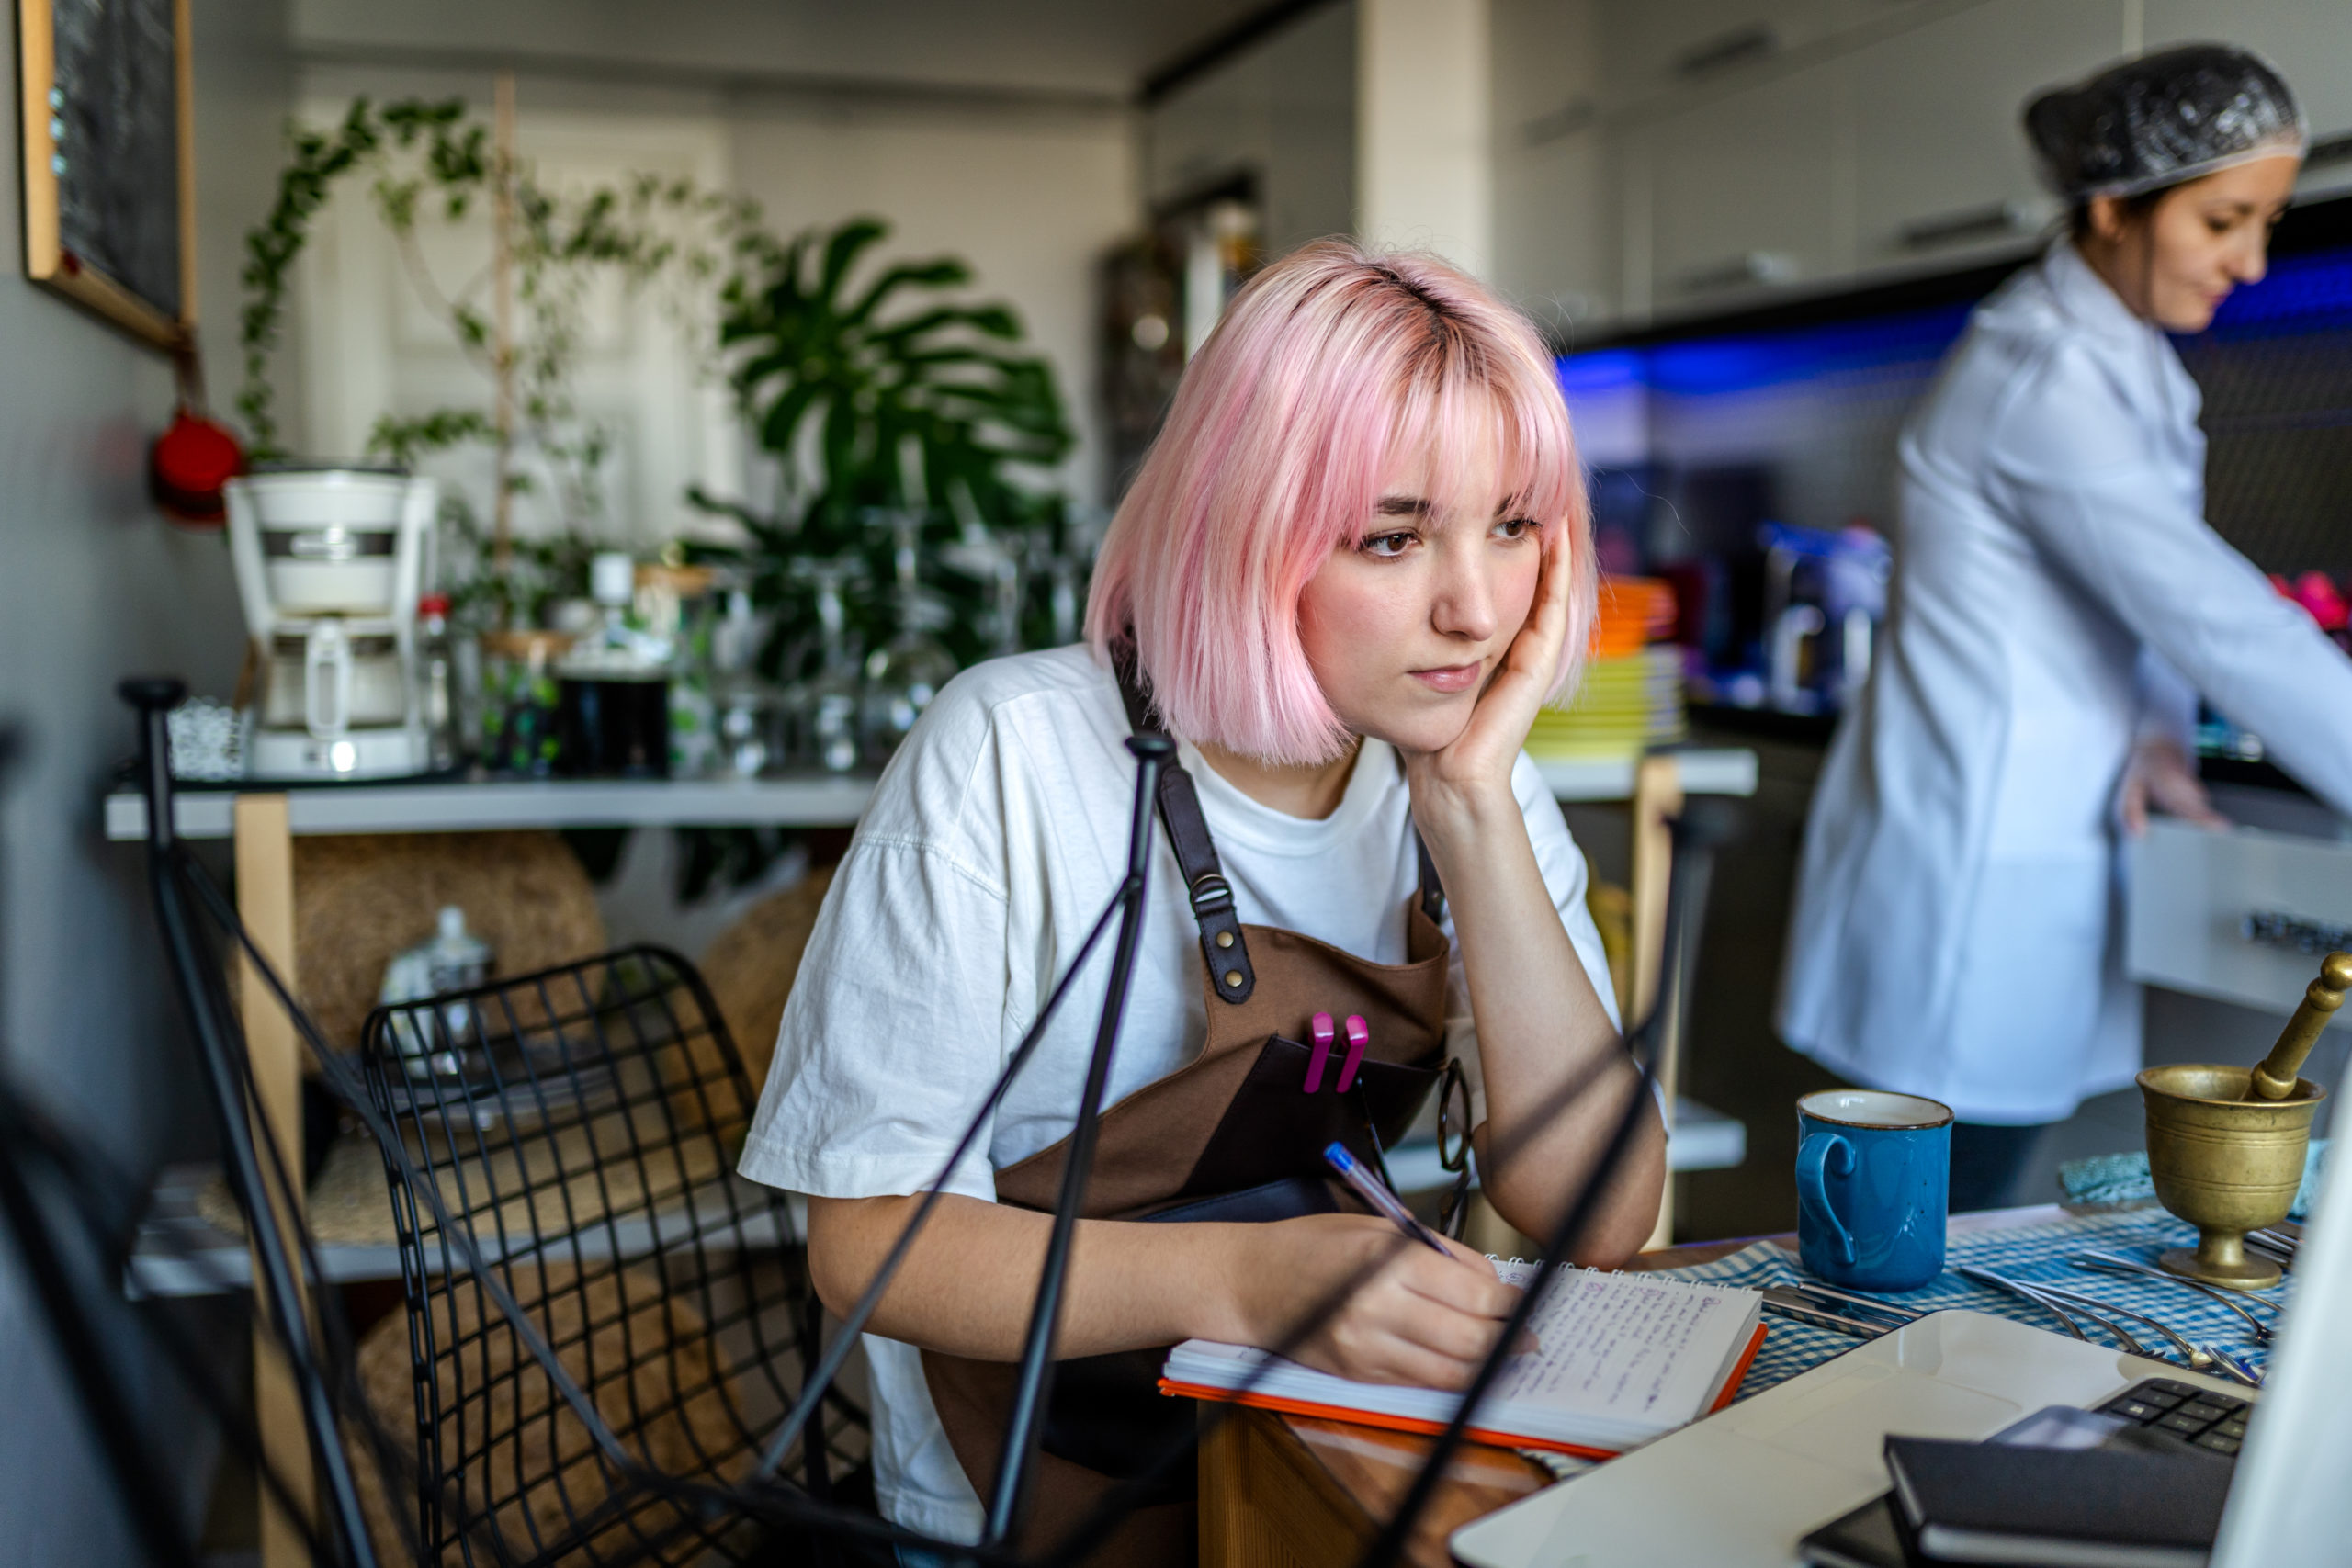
189, 466
193, 461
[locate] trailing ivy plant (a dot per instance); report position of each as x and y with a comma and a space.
429, 157
882, 390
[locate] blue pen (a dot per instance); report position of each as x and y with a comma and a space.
1374, 1191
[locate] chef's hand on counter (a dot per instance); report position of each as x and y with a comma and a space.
2164, 777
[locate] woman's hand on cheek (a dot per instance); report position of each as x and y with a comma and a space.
1473, 771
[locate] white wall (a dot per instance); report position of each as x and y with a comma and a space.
1424, 128
96, 587
1030, 191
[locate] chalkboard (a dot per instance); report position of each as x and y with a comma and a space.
107, 167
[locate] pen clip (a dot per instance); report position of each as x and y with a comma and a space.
1358, 1037
1319, 1031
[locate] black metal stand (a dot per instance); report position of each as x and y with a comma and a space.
220, 1052
1021, 1432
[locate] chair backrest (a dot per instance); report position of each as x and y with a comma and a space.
580, 1124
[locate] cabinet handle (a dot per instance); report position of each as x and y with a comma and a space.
2292, 934
2333, 149
1741, 271
1736, 47
1969, 223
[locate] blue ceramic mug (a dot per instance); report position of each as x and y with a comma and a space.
1874, 1170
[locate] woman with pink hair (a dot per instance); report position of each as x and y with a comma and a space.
1353, 565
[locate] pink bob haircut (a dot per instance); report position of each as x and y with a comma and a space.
1330, 361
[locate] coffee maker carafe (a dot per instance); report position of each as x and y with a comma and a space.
330, 562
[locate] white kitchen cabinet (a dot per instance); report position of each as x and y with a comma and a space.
2309, 40
1555, 248
1745, 194
1554, 239
2193, 893
1942, 175
1654, 48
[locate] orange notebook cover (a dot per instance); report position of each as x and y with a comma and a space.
1477, 1433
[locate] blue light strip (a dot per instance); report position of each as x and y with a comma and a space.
2302, 294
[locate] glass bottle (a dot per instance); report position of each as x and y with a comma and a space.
675, 602
435, 669
519, 701
614, 686
743, 706
905, 673
822, 709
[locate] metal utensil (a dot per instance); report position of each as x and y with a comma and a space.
2198, 1359
2015, 1287
2115, 1263
2064, 1302
1784, 1302
2276, 1241
1900, 1314
2236, 1368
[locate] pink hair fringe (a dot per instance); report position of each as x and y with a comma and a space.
1328, 361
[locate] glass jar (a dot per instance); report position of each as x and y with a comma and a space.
677, 604
519, 701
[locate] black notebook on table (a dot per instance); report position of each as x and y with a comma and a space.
2103, 1507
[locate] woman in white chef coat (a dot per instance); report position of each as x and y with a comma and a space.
2058, 602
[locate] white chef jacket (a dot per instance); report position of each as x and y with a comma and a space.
1957, 930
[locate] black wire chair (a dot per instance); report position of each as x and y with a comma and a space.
574, 1249
579, 1126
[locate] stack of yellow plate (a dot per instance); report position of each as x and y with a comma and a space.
1631, 696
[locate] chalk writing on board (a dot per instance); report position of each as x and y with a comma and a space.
114, 115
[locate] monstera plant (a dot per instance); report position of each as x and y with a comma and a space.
880, 386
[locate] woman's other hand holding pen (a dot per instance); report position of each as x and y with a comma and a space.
1410, 1316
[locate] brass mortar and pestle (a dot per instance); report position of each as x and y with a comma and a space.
2226, 1145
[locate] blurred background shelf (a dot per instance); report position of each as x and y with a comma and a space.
495, 805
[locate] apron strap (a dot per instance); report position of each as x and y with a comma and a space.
1222, 944
1433, 890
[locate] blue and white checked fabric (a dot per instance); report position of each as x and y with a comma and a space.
2030, 1253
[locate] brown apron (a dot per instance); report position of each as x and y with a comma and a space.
1232, 1136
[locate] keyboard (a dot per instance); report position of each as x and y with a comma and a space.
2199, 1417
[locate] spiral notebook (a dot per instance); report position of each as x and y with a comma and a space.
1618, 1360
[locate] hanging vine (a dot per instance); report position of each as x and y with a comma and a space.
430, 157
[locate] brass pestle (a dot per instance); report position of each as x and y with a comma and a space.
2274, 1078
2226, 1145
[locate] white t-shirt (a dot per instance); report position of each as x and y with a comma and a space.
994, 841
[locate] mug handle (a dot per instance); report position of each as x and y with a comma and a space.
1818, 1157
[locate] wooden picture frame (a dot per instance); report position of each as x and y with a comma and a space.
72, 239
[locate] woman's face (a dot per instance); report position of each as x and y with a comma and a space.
2174, 265
1403, 626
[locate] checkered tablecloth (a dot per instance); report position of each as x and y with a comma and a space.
2037, 1253
2032, 1253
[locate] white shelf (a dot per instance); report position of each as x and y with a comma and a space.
815, 802
180, 1253
1715, 769
513, 805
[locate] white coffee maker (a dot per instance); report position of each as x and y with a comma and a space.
330, 562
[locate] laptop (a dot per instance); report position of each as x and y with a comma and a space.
1739, 1489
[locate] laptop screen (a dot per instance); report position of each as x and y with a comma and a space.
2289, 1503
